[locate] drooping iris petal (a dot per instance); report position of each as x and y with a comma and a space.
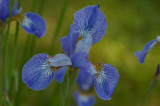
84, 45
59, 74
90, 21
141, 55
85, 80
60, 60
34, 24
106, 80
37, 72
68, 43
4, 10
84, 100
79, 59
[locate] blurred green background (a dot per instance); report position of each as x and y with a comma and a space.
131, 24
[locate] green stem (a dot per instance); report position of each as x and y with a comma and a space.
59, 24
67, 90
14, 56
152, 85
14, 53
1, 37
68, 83
25, 52
6, 39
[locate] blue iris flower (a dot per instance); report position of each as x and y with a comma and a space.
32, 23
142, 54
84, 100
40, 70
88, 28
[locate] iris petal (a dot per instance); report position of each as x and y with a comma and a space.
37, 72
16, 10
90, 21
79, 59
59, 74
106, 81
84, 100
69, 42
4, 10
60, 60
85, 80
84, 45
34, 24
141, 55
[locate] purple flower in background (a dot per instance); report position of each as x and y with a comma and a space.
142, 54
84, 100
32, 23
88, 28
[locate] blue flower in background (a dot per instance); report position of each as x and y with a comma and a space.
84, 100
32, 23
4, 10
141, 55
88, 28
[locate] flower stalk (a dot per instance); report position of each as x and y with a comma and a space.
5, 59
